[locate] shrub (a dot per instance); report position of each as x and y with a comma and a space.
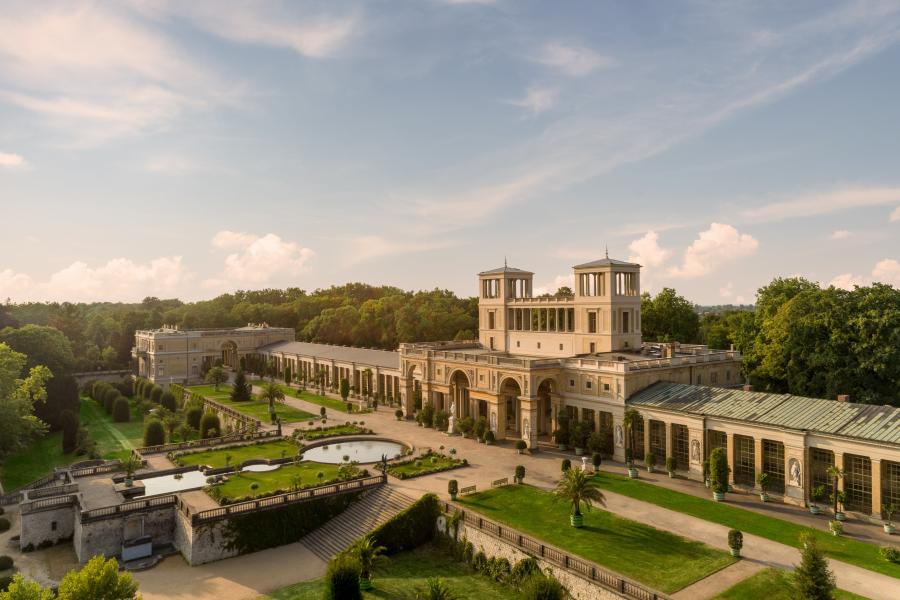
718, 470
125, 387
735, 539
5, 582
342, 579
121, 412
479, 561
156, 394
6, 562
168, 401
154, 433
524, 569
2, 510
193, 416
4, 524
398, 413
489, 437
521, 445
596, 459
254, 486
97, 391
426, 415
812, 577
671, 464
889, 553
520, 472
441, 420
566, 465
70, 424
109, 399
411, 527
452, 487
209, 425
542, 587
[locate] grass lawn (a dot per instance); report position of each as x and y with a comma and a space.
216, 458
329, 403
405, 574
772, 584
659, 559
315, 434
114, 440
238, 486
35, 461
431, 463
844, 549
253, 408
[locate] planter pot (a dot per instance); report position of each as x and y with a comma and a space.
576, 520
736, 552
633, 473
889, 529
719, 496
649, 469
561, 446
453, 497
706, 482
671, 474
518, 452
129, 482
399, 418
579, 451
365, 583
839, 516
814, 509
764, 497
835, 532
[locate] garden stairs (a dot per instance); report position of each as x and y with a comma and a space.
363, 516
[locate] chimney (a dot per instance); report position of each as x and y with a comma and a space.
747, 387
843, 398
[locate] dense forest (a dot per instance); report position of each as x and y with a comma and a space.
800, 338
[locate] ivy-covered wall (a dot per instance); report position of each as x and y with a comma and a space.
411, 527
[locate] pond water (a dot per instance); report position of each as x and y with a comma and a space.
260, 468
368, 451
167, 484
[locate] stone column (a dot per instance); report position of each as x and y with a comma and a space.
729, 451
668, 444
757, 459
528, 420
646, 440
498, 405
839, 462
876, 487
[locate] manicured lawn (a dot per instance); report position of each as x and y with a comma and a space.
239, 486
772, 584
253, 408
659, 559
37, 460
114, 440
405, 574
431, 463
315, 434
844, 549
216, 458
329, 403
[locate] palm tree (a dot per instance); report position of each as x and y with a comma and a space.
578, 488
835, 473
271, 392
437, 590
369, 555
632, 417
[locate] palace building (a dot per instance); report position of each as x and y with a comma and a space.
537, 358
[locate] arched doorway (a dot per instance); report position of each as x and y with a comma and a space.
414, 387
229, 354
510, 390
459, 396
545, 406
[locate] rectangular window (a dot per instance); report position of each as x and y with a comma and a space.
858, 483
819, 461
744, 460
490, 319
680, 445
518, 344
890, 483
714, 378
570, 319
492, 343
560, 346
551, 319
571, 383
715, 439
539, 346
658, 441
639, 439
773, 464
592, 321
588, 384
593, 347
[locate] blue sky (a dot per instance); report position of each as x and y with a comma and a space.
170, 148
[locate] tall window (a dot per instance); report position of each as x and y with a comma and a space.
890, 483
773, 464
490, 319
639, 439
570, 319
680, 445
658, 440
858, 483
820, 460
625, 316
715, 439
744, 460
592, 321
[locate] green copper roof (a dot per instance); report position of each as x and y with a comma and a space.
863, 421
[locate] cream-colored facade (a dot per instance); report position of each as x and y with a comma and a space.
171, 355
537, 357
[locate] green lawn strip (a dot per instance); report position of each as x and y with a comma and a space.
329, 403
38, 459
239, 454
238, 486
209, 391
405, 575
317, 434
772, 584
659, 559
252, 408
114, 440
431, 463
840, 548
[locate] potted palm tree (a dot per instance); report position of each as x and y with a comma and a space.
130, 466
815, 496
651, 462
271, 392
763, 481
629, 460
453, 488
578, 488
735, 542
370, 556
837, 497
671, 464
888, 510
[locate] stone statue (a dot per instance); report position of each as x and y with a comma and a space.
695, 451
493, 421
526, 427
451, 424
584, 464
453, 407
620, 436
794, 470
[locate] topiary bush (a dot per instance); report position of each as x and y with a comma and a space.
889, 553
121, 412
210, 425
168, 401
156, 394
6, 562
566, 465
154, 433
70, 424
718, 470
193, 416
4, 524
342, 579
109, 399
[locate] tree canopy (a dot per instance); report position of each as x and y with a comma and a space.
669, 317
18, 425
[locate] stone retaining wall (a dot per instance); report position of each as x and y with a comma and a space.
202, 544
105, 536
47, 526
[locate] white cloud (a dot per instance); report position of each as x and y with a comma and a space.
537, 100
258, 259
559, 281
12, 161
895, 215
118, 280
885, 271
646, 250
840, 234
571, 59
822, 203
719, 244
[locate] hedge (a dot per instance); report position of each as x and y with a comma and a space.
410, 528
156, 394
210, 426
6, 562
4, 524
154, 433
121, 412
109, 399
168, 401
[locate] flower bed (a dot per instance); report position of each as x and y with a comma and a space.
249, 485
215, 457
319, 433
426, 464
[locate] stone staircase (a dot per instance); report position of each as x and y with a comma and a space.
363, 516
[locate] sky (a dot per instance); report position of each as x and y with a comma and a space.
156, 148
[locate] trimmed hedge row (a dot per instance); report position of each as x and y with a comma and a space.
411, 527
